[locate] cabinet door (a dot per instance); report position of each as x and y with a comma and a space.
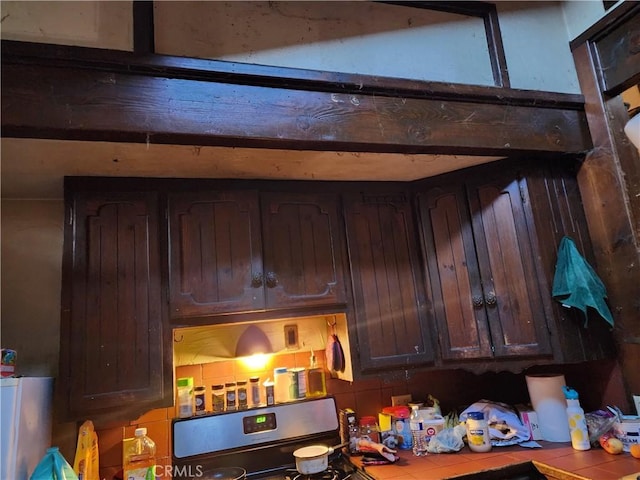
114, 347
454, 275
215, 253
391, 321
302, 250
510, 280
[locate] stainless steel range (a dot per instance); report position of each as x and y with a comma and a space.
262, 441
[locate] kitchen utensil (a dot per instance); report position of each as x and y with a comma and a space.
314, 458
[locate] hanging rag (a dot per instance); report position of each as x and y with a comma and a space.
576, 284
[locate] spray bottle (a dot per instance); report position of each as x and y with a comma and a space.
577, 422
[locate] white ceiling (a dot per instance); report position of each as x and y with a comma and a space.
35, 168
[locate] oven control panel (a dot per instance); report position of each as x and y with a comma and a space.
259, 423
225, 431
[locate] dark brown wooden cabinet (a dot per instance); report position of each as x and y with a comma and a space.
303, 247
244, 251
115, 349
215, 253
481, 261
391, 322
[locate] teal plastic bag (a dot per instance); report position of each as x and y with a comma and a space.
53, 466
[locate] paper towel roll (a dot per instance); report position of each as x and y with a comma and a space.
547, 399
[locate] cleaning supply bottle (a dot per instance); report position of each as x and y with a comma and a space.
139, 456
418, 432
316, 384
577, 422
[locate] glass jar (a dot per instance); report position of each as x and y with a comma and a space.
217, 398
230, 395
369, 429
243, 402
199, 393
254, 382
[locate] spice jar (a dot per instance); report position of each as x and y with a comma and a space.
254, 382
230, 395
478, 432
200, 400
243, 402
217, 398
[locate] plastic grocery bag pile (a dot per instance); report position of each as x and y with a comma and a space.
505, 426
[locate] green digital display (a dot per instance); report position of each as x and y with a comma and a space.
259, 423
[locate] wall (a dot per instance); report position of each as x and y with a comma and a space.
30, 283
356, 37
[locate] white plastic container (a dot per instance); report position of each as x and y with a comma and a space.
478, 432
577, 423
281, 383
185, 401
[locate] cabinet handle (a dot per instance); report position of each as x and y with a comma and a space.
477, 301
256, 281
272, 280
491, 299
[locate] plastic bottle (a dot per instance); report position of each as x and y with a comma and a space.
316, 383
478, 432
577, 422
139, 456
418, 437
185, 397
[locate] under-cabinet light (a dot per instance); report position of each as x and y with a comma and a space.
253, 341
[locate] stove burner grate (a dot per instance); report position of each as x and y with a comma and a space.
328, 474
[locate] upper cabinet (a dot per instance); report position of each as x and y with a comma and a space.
303, 246
243, 251
481, 260
115, 347
391, 322
215, 253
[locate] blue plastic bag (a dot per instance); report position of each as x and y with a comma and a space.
53, 466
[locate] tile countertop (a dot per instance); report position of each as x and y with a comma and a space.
594, 464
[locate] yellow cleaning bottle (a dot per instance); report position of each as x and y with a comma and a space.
139, 457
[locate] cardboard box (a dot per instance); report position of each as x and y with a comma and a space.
529, 419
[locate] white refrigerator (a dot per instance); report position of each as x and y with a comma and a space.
26, 407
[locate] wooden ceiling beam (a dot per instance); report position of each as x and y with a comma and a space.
76, 93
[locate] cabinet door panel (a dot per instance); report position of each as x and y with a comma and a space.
391, 322
455, 281
116, 328
511, 288
215, 253
302, 252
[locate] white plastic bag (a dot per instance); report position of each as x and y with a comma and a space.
448, 440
